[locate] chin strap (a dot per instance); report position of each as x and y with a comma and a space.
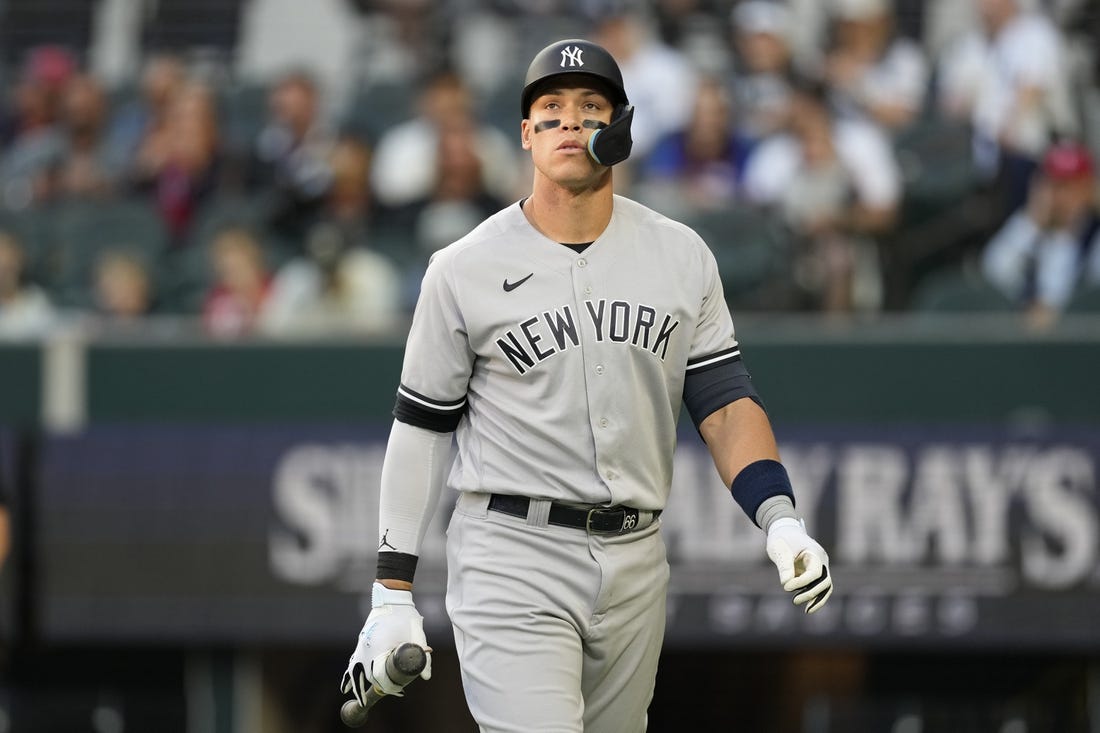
610, 144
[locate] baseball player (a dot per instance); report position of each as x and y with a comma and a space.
559, 340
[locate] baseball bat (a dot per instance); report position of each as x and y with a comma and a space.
403, 665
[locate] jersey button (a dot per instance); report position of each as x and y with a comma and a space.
582, 262
588, 290
603, 422
599, 369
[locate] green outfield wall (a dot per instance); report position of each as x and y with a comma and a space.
973, 370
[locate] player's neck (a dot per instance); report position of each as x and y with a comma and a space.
570, 216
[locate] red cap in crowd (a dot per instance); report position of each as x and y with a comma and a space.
50, 66
1065, 161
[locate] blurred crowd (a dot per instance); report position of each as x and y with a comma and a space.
839, 156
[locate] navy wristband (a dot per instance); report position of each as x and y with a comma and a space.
758, 482
396, 566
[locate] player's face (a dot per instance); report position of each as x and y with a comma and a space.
556, 132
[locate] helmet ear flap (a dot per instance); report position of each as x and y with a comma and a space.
610, 145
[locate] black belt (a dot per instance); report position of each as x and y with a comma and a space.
597, 520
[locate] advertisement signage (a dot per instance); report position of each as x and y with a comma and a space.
939, 536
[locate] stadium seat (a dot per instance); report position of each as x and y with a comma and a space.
751, 249
937, 167
30, 227
188, 273
375, 107
27, 24
500, 107
959, 290
242, 112
222, 211
187, 279
1085, 300
212, 25
80, 231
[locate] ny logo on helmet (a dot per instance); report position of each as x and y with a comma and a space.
572, 54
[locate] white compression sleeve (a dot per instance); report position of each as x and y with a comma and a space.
412, 479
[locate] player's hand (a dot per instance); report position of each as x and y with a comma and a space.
803, 564
393, 621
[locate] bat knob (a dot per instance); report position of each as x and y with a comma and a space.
353, 714
409, 660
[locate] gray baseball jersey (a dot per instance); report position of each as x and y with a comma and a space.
564, 372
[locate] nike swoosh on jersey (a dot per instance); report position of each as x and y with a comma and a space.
509, 287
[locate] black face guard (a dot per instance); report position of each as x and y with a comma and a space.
610, 144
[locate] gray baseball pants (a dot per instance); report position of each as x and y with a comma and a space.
557, 630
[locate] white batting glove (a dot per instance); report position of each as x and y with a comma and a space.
393, 621
803, 564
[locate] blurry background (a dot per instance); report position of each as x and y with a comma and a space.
214, 216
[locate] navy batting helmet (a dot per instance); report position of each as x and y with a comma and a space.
573, 56
611, 144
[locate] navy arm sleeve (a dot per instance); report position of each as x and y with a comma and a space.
714, 381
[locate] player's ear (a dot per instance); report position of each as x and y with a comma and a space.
525, 130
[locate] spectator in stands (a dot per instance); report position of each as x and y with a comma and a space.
139, 135
338, 287
242, 284
86, 168
401, 38
689, 26
659, 80
406, 159
187, 170
460, 197
123, 287
291, 156
35, 145
25, 309
1010, 78
836, 183
349, 198
873, 71
698, 168
761, 86
395, 234
809, 34
1051, 246
944, 22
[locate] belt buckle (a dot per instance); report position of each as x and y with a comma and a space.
630, 520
